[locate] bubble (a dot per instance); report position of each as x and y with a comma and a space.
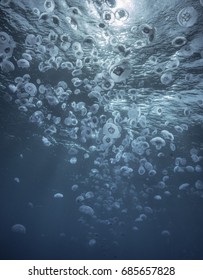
18, 228
87, 210
187, 17
58, 195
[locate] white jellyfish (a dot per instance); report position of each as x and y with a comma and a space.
166, 78
187, 17
183, 187
18, 228
37, 117
92, 242
7, 66
111, 130
49, 6
158, 142
120, 71
23, 63
167, 135
58, 195
31, 89
121, 14
108, 16
87, 210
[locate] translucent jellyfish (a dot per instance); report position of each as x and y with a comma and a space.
46, 142
79, 199
167, 135
17, 180
87, 210
157, 197
23, 63
148, 31
4, 38
189, 168
73, 160
199, 185
89, 195
173, 63
18, 228
166, 78
52, 100
139, 146
141, 170
92, 242
183, 187
179, 41
58, 195
111, 3
108, 16
31, 89
49, 6
74, 187
165, 233
7, 66
111, 130
120, 71
158, 142
37, 117
187, 17
198, 168
36, 11
121, 14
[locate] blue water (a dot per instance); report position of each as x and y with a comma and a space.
101, 129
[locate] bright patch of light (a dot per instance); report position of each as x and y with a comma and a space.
124, 4
128, 6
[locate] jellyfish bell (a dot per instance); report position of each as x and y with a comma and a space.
120, 71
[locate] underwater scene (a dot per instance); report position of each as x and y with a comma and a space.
101, 122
